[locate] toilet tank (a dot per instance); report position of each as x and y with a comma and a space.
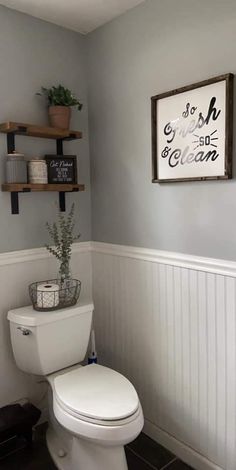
45, 342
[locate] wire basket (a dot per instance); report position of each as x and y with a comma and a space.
54, 294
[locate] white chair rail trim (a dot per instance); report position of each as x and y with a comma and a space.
200, 263
23, 256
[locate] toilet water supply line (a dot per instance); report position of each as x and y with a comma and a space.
92, 357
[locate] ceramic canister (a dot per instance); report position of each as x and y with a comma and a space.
16, 168
37, 172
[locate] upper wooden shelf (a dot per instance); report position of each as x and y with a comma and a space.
27, 187
21, 128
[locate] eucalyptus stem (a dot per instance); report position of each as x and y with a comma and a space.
62, 236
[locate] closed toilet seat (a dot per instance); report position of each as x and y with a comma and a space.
96, 393
97, 403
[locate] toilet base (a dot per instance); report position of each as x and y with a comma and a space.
55, 446
90, 456
73, 453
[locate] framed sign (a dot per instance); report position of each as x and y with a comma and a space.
192, 130
62, 168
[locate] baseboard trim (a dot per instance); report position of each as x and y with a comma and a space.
185, 453
199, 263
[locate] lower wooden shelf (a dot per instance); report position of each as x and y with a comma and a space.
27, 187
16, 188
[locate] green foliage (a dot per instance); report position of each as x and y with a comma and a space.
61, 234
60, 96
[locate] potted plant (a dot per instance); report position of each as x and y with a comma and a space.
60, 100
62, 236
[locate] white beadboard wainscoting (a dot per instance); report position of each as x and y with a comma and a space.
165, 320
168, 322
17, 270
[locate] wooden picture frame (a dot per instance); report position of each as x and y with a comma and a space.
62, 169
192, 132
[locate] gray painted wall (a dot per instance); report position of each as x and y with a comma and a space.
35, 53
152, 48
158, 46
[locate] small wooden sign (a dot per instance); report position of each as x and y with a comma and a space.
61, 169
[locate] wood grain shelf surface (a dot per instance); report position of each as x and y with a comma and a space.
32, 130
24, 187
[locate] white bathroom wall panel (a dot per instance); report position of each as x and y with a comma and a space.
17, 270
168, 322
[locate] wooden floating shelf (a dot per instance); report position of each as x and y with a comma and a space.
11, 129
31, 130
26, 187
16, 188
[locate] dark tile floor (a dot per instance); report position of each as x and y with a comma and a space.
142, 454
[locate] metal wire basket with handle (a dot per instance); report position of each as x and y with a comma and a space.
54, 294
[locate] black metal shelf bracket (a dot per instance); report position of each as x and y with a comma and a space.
59, 146
62, 196
62, 201
15, 200
14, 203
10, 142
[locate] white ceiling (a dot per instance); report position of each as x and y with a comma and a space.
82, 16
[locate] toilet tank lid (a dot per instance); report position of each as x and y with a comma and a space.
27, 316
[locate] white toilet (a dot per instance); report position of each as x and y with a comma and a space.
93, 410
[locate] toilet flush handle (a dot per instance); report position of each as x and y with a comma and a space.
24, 330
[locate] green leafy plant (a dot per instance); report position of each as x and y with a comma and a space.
62, 236
60, 96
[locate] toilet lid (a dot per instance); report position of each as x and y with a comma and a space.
97, 392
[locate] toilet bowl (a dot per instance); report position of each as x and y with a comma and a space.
100, 409
93, 410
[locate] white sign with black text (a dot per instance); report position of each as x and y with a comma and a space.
191, 133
